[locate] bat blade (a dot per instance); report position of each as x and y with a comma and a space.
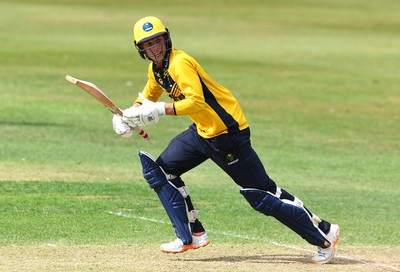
95, 92
103, 99
71, 79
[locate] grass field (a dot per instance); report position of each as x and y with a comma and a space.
319, 84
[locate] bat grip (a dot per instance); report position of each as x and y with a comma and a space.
142, 133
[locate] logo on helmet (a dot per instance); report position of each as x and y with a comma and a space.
147, 27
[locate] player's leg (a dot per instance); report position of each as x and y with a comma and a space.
238, 159
179, 157
184, 153
199, 235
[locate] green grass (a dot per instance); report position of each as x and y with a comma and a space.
318, 81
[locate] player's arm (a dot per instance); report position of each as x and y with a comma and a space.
145, 110
169, 107
186, 76
152, 91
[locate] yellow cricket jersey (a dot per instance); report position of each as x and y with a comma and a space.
212, 107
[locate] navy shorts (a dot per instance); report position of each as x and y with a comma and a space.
232, 152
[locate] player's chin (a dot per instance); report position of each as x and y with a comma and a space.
157, 60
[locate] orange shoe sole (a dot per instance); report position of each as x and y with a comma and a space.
186, 248
334, 250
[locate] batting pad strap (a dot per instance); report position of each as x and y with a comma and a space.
170, 197
278, 192
184, 190
171, 177
192, 216
296, 202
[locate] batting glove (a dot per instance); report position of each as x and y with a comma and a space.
120, 127
146, 114
159, 106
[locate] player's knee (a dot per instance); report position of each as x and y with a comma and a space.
261, 201
152, 172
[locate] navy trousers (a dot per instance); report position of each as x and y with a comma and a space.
232, 152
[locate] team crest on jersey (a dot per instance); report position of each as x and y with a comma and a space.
148, 27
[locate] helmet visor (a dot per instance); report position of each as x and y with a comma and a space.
155, 49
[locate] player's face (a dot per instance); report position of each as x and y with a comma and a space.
155, 49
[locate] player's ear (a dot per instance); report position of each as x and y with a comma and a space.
140, 50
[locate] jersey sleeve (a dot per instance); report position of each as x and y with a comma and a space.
184, 72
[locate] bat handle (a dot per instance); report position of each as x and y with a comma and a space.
142, 133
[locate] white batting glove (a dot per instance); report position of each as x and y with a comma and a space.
146, 114
120, 127
159, 106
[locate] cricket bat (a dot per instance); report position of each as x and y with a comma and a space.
103, 99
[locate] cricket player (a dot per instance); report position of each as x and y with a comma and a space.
219, 132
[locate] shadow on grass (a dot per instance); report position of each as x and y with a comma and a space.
272, 258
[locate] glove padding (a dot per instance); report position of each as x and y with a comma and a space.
146, 114
120, 127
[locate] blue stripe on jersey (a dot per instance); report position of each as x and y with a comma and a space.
226, 118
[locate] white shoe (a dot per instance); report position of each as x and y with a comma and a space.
198, 240
325, 255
